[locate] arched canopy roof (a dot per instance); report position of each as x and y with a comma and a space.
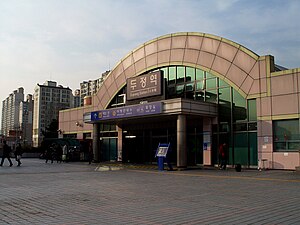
232, 62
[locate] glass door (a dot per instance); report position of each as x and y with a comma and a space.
109, 149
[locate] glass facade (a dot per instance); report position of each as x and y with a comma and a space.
237, 123
286, 135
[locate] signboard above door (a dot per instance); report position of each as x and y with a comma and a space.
143, 86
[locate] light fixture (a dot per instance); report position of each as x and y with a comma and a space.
79, 124
130, 136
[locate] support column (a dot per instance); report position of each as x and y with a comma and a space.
96, 141
120, 143
181, 142
207, 132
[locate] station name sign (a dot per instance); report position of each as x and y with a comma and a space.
127, 111
147, 85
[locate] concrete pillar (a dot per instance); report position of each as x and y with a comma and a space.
265, 143
181, 142
96, 141
120, 143
207, 133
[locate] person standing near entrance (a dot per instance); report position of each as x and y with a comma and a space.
90, 153
64, 153
6, 154
223, 155
58, 153
18, 154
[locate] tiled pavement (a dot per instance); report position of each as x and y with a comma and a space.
78, 193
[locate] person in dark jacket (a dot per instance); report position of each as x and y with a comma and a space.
59, 153
223, 155
18, 154
6, 153
90, 153
49, 153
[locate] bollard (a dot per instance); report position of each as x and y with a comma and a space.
238, 167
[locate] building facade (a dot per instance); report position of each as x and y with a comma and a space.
213, 90
49, 98
26, 120
89, 88
10, 113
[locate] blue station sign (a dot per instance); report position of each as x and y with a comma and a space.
127, 111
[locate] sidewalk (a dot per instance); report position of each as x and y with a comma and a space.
107, 193
31, 165
283, 175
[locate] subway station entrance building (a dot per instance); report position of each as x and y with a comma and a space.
194, 91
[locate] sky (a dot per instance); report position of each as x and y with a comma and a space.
70, 41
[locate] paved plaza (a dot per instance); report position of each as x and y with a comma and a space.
78, 193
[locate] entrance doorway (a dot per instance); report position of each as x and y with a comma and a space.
108, 149
140, 141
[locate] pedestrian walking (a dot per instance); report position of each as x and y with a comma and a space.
18, 154
6, 154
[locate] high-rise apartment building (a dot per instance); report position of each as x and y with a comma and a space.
89, 88
25, 120
10, 113
76, 99
48, 100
